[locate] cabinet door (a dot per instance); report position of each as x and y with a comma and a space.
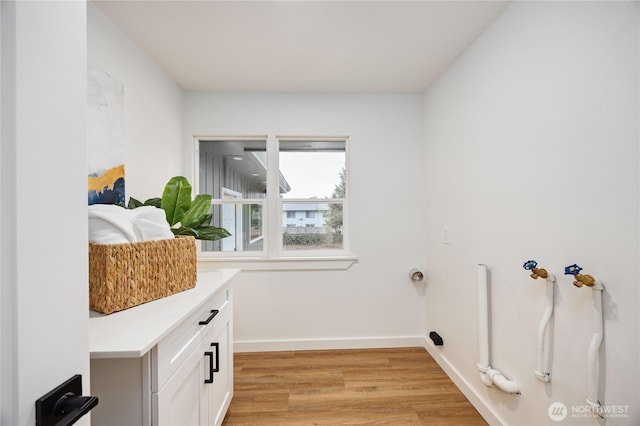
220, 392
181, 402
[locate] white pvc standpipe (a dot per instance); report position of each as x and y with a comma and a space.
541, 372
594, 347
488, 375
483, 317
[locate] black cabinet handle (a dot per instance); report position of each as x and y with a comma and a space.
214, 312
213, 369
210, 355
216, 369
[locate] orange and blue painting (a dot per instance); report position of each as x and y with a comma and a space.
108, 187
105, 138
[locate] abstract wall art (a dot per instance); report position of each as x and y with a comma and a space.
105, 138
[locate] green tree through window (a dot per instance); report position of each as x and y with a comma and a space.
334, 215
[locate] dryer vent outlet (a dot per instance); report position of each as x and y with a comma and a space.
437, 340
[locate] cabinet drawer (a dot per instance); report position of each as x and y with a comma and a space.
180, 402
176, 347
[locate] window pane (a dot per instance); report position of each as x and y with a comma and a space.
312, 226
237, 165
245, 223
312, 169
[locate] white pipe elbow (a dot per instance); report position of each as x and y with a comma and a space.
502, 382
483, 374
486, 380
491, 377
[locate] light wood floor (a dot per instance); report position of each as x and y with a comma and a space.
401, 386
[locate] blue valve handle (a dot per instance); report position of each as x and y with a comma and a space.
529, 265
572, 269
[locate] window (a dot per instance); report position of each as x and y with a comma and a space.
315, 170
277, 196
233, 172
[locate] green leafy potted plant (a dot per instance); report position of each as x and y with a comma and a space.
185, 217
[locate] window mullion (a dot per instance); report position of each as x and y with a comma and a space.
273, 191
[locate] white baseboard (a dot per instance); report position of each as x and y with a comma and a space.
318, 344
479, 403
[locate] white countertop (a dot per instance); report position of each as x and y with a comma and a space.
133, 332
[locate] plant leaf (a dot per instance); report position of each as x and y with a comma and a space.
176, 199
133, 203
155, 202
184, 231
211, 233
204, 221
199, 207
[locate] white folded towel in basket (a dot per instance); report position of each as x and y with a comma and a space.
111, 224
150, 224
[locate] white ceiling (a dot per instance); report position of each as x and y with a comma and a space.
303, 46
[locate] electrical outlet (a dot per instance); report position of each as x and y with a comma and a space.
446, 237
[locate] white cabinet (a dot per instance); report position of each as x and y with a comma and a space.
220, 391
185, 377
192, 370
181, 401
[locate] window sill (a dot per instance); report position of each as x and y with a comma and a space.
278, 264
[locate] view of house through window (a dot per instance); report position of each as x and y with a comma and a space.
307, 206
234, 172
312, 209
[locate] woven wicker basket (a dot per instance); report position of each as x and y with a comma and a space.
125, 275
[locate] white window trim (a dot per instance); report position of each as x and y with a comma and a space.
278, 263
236, 254
231, 195
274, 257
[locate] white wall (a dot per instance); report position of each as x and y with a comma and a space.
153, 106
532, 153
43, 196
367, 301
374, 298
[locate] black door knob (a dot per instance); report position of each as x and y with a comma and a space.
63, 406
